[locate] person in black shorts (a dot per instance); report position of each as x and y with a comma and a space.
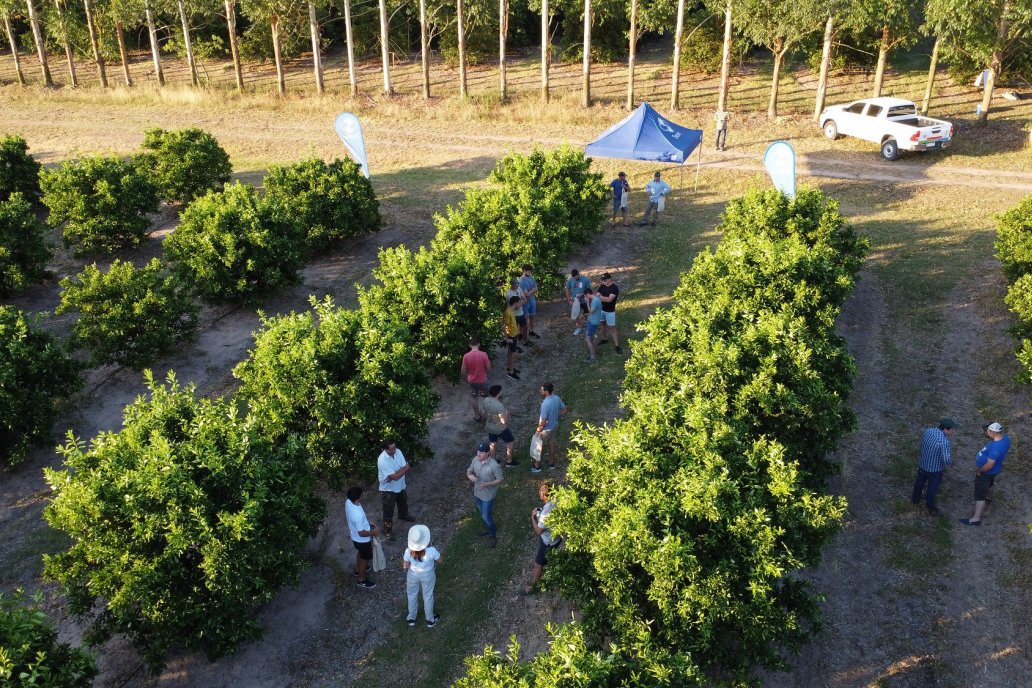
362, 534
547, 542
608, 293
497, 422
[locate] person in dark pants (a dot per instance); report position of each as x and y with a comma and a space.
935, 457
391, 469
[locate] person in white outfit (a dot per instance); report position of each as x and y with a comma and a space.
421, 561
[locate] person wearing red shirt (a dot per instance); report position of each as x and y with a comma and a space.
475, 366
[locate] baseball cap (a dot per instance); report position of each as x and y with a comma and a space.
484, 447
995, 427
947, 423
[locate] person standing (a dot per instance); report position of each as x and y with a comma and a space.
608, 294
657, 191
420, 563
594, 320
575, 287
552, 409
546, 542
620, 189
988, 465
934, 457
511, 331
475, 366
498, 425
391, 468
486, 475
521, 318
530, 289
362, 533
721, 118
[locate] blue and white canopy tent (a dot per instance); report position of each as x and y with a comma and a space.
645, 135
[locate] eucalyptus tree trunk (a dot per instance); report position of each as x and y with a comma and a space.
313, 24
384, 56
424, 49
631, 47
545, 49
675, 82
41, 52
931, 76
152, 30
503, 32
586, 102
69, 51
725, 62
123, 53
775, 85
234, 49
277, 54
883, 57
14, 49
187, 43
460, 12
996, 61
98, 56
352, 80
822, 80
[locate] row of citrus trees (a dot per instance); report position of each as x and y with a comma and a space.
687, 521
1014, 250
197, 510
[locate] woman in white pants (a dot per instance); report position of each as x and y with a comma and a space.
420, 561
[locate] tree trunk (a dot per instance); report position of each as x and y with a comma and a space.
931, 76
424, 49
503, 32
460, 12
313, 24
586, 101
632, 45
883, 56
14, 49
822, 80
996, 61
41, 52
98, 56
152, 29
775, 84
545, 49
73, 78
123, 53
675, 81
234, 49
352, 80
185, 19
384, 38
277, 55
725, 62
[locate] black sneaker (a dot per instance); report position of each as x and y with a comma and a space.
411, 623
603, 341
368, 584
535, 335
617, 349
492, 542
433, 622
551, 466
513, 376
535, 469
516, 370
519, 350
511, 464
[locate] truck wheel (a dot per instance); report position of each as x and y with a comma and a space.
830, 130
890, 149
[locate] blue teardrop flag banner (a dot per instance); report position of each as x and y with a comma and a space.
780, 163
350, 132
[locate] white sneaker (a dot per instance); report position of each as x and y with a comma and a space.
576, 332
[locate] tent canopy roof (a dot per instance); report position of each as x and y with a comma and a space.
645, 135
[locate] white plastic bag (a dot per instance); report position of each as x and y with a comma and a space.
661, 206
536, 444
575, 309
379, 562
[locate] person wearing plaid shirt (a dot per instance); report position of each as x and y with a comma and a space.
935, 457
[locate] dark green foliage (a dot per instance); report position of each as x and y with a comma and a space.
183, 164
127, 316
183, 523
102, 201
342, 380
30, 654
23, 248
233, 246
19, 171
330, 201
444, 295
1014, 240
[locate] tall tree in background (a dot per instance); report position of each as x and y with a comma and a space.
41, 47
62, 19
779, 27
152, 31
586, 102
98, 54
184, 19
932, 68
122, 13
313, 26
424, 49
675, 77
349, 36
503, 32
276, 13
461, 28
546, 49
385, 38
234, 47
632, 45
725, 63
7, 8
896, 21
822, 78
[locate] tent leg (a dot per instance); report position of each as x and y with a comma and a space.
698, 164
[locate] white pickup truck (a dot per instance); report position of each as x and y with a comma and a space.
891, 122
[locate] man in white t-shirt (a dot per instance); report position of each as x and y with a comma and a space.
546, 542
391, 468
362, 533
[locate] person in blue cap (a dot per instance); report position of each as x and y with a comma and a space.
486, 475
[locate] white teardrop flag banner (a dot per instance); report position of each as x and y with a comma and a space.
350, 132
780, 163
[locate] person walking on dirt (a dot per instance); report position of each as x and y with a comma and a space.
594, 321
530, 289
608, 293
934, 458
391, 469
511, 331
552, 409
620, 189
498, 425
475, 366
546, 542
362, 534
721, 118
486, 475
420, 563
988, 465
657, 190
574, 289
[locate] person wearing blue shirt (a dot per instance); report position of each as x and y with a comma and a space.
988, 465
530, 288
575, 287
935, 457
594, 320
552, 409
619, 187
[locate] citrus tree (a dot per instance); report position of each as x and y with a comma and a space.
30, 653
23, 247
183, 164
19, 171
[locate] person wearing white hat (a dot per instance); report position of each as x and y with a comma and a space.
988, 465
420, 561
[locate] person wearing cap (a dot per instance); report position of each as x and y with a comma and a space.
620, 188
935, 456
420, 563
575, 287
486, 475
657, 190
547, 541
988, 465
608, 293
497, 425
362, 533
391, 468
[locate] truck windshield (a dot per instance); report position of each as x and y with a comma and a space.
902, 111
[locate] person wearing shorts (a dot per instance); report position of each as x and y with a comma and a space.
530, 288
575, 287
511, 331
362, 533
475, 366
547, 542
497, 418
608, 293
594, 321
552, 409
988, 465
